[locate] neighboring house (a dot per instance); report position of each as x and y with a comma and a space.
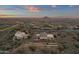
20, 35
75, 27
50, 36
44, 36
36, 37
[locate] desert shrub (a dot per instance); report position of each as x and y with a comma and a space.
16, 44
60, 48
44, 51
76, 44
29, 37
77, 39
55, 36
65, 46
21, 51
59, 34
32, 48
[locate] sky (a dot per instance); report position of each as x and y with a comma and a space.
39, 10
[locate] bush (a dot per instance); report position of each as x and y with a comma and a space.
32, 48
65, 47
77, 39
60, 48
77, 44
45, 51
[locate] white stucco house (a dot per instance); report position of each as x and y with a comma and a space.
20, 35
44, 36
50, 36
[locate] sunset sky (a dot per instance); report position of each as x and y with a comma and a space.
39, 10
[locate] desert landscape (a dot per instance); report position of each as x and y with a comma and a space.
39, 35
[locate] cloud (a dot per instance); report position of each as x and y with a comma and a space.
34, 9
